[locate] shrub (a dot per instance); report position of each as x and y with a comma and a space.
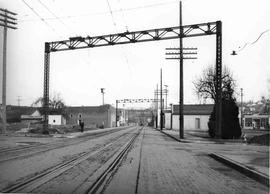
230, 127
211, 128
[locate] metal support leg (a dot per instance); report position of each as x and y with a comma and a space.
46, 86
181, 95
219, 80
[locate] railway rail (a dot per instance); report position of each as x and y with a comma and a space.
101, 175
100, 182
27, 151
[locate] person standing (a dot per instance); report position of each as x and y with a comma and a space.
81, 125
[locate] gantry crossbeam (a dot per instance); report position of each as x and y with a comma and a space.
140, 100
133, 37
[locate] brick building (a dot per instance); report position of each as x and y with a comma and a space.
92, 116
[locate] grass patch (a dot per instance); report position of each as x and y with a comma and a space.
259, 139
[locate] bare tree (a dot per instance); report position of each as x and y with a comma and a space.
55, 103
38, 102
205, 88
205, 85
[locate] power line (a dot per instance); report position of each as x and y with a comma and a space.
111, 13
114, 23
246, 44
104, 12
41, 18
122, 13
56, 17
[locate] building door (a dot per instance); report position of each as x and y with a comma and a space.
257, 123
197, 123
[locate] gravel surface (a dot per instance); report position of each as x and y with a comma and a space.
20, 169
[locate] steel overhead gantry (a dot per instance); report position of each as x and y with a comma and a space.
140, 100
73, 43
134, 37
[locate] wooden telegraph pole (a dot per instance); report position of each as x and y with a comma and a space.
7, 20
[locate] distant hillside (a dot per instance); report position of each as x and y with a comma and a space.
14, 112
260, 107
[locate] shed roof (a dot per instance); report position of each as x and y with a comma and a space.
88, 109
256, 116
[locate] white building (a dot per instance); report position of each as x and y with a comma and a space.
56, 120
196, 117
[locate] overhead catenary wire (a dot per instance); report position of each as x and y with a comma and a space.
103, 12
123, 17
40, 17
110, 9
115, 26
56, 17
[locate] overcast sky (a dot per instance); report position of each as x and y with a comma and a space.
132, 70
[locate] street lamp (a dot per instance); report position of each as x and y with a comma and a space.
234, 53
102, 92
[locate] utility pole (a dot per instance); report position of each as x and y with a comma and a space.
102, 92
180, 56
157, 108
160, 100
19, 100
7, 20
171, 105
242, 108
161, 103
116, 107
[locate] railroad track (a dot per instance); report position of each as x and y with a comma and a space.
100, 175
7, 150
26, 150
98, 185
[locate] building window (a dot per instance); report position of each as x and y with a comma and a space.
54, 121
248, 122
197, 123
71, 115
80, 115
